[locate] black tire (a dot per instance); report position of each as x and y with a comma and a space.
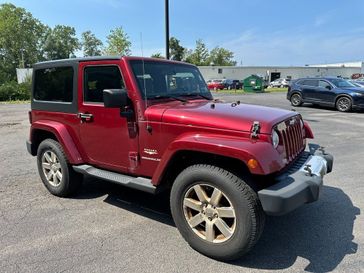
344, 104
70, 181
249, 215
296, 99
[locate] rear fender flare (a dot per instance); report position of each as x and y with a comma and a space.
63, 136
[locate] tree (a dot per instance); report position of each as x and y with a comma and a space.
91, 45
118, 43
221, 56
198, 56
157, 55
61, 43
21, 36
177, 52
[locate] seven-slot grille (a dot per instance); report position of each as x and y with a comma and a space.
290, 132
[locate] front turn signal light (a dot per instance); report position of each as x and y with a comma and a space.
252, 163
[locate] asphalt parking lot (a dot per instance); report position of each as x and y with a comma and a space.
108, 228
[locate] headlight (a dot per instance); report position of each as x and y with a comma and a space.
275, 138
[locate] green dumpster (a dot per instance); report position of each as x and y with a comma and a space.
253, 83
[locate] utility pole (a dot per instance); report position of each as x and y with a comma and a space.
22, 58
167, 27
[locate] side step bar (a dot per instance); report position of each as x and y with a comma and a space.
138, 183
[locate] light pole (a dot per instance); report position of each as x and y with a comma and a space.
167, 27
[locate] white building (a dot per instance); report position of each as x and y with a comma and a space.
345, 70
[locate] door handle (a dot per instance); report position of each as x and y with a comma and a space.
85, 117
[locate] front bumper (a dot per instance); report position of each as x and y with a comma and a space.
299, 184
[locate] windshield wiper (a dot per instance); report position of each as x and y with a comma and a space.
167, 97
197, 95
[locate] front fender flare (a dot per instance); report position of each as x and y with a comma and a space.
63, 136
263, 152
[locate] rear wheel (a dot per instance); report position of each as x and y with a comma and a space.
216, 212
343, 104
55, 171
296, 99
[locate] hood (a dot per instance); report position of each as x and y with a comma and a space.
228, 116
355, 89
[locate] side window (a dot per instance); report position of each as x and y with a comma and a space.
54, 84
313, 83
98, 78
323, 84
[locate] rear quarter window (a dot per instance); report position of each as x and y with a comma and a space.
54, 84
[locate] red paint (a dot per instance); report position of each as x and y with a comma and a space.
145, 145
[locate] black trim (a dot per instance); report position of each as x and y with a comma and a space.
31, 148
294, 187
138, 183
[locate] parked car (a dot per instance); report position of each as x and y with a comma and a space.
280, 83
152, 125
215, 85
334, 92
232, 84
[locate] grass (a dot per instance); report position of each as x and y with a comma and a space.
15, 102
240, 91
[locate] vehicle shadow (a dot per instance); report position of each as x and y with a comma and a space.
321, 232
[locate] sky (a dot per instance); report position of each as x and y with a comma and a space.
259, 32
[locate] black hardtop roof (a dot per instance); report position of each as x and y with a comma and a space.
76, 61
71, 61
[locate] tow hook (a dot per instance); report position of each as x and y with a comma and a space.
255, 129
308, 169
322, 150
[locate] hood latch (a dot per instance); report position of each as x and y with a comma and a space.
255, 129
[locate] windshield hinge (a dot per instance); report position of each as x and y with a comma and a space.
255, 129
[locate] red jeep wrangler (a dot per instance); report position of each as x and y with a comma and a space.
153, 125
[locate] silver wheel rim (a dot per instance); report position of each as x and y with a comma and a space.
343, 104
296, 99
209, 213
52, 168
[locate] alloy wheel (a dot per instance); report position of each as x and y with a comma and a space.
344, 104
296, 99
52, 169
209, 213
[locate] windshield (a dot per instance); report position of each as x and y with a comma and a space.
341, 83
168, 80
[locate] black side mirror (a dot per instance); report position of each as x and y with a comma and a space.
115, 98
328, 87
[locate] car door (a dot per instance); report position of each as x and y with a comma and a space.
326, 92
109, 141
309, 89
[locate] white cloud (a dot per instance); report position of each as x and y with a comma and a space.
323, 18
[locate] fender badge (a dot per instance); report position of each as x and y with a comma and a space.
150, 151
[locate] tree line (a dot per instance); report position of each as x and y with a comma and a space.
25, 40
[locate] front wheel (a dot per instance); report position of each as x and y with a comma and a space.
216, 212
343, 104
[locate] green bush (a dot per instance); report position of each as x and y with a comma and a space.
14, 91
